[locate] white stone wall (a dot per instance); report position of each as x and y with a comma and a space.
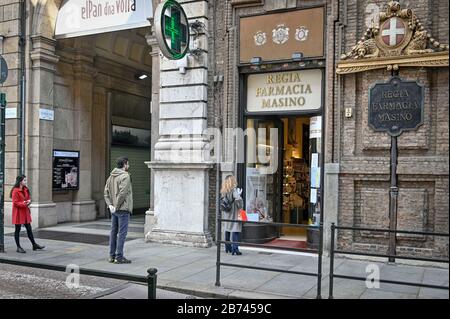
180, 166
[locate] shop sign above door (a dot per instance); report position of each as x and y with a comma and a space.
278, 36
172, 29
86, 17
396, 106
289, 91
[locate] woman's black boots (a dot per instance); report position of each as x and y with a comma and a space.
36, 246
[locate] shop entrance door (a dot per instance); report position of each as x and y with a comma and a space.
277, 178
262, 178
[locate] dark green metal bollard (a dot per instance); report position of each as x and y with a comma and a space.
151, 282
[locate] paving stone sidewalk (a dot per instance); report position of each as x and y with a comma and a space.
192, 271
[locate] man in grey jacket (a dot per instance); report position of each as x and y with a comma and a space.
119, 198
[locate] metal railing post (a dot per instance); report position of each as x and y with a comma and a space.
219, 245
330, 290
151, 282
319, 266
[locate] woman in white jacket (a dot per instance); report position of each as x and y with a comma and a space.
233, 194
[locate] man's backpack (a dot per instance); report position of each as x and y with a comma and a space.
225, 204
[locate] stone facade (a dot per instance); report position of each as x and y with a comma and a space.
179, 165
74, 78
357, 158
206, 94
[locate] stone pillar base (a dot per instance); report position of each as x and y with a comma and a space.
202, 240
8, 214
180, 214
83, 211
149, 221
43, 215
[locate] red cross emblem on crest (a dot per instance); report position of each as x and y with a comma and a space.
393, 31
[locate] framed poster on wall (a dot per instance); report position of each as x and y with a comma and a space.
256, 195
66, 170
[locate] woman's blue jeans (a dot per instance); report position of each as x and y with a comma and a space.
233, 248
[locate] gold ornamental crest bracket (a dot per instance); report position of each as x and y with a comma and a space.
399, 39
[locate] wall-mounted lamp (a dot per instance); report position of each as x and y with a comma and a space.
141, 76
256, 60
297, 56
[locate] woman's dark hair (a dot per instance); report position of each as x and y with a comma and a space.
19, 179
121, 161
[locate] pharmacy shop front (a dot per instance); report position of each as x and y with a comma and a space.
282, 171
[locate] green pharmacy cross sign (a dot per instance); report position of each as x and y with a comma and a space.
172, 30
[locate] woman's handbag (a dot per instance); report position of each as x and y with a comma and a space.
242, 215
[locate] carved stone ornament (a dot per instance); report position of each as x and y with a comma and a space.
280, 34
260, 38
301, 34
399, 39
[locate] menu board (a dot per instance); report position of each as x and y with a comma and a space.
66, 170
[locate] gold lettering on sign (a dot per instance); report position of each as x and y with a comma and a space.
388, 117
284, 90
395, 94
395, 106
283, 102
283, 78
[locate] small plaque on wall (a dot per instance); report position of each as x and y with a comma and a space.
396, 106
46, 114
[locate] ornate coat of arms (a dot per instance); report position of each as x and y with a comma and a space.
301, 34
260, 38
280, 34
398, 35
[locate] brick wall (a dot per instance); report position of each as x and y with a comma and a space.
364, 155
423, 154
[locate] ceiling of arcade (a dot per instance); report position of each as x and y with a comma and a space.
128, 47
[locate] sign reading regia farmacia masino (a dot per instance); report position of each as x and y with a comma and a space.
285, 91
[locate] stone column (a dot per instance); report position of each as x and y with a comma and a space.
83, 206
152, 42
180, 166
39, 142
10, 51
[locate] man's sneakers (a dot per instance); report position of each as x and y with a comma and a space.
122, 260
111, 259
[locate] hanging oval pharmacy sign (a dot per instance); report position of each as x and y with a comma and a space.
172, 30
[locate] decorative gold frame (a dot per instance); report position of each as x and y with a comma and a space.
435, 59
418, 49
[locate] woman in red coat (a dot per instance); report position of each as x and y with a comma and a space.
21, 212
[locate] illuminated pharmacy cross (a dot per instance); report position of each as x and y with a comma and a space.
175, 31
395, 28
